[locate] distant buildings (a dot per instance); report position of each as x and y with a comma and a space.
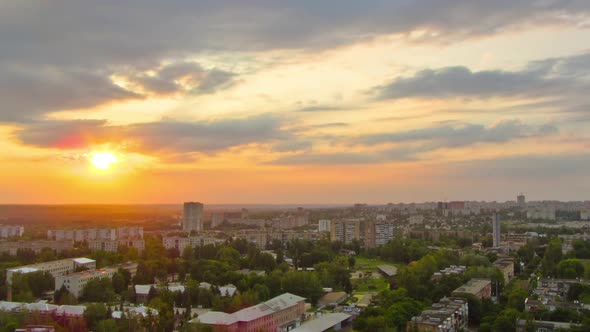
520, 200
482, 288
181, 242
192, 217
324, 225
377, 233
449, 314
11, 231
105, 239
496, 230
281, 313
541, 212
12, 247
345, 231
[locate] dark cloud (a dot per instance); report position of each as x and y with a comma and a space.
65, 134
28, 93
291, 145
448, 135
140, 31
462, 82
156, 137
181, 77
550, 77
70, 48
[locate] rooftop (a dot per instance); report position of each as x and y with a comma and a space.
389, 270
322, 323
278, 303
83, 260
473, 286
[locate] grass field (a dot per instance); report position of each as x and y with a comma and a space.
369, 264
370, 284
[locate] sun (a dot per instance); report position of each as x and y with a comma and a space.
103, 159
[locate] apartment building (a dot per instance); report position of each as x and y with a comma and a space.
181, 242
506, 266
12, 247
345, 231
481, 288
448, 315
11, 231
113, 245
56, 268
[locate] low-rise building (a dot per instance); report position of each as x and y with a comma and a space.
75, 282
543, 326
448, 315
506, 266
56, 268
281, 313
482, 288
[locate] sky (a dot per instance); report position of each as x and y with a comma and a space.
301, 101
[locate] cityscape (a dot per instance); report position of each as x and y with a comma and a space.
433, 266
295, 166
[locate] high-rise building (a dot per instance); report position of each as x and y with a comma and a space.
496, 229
324, 225
345, 231
377, 233
192, 217
520, 200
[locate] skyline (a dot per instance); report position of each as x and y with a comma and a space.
294, 103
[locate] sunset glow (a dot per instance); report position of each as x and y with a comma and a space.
295, 102
103, 160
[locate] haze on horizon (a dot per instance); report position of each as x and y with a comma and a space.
294, 102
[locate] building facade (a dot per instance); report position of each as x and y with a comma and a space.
282, 313
448, 315
11, 231
482, 288
345, 231
192, 217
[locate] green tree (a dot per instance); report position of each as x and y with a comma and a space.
570, 268
95, 312
98, 290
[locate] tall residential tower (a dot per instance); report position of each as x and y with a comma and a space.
496, 229
192, 217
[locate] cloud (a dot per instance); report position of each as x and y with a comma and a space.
323, 108
449, 135
186, 77
554, 76
65, 134
168, 137
29, 93
411, 145
462, 82
291, 145
527, 166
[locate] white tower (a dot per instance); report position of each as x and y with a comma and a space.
496, 229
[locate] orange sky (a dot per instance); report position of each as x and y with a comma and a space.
336, 102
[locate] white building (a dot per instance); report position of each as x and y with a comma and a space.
113, 245
181, 242
11, 231
75, 282
324, 225
192, 218
585, 214
541, 212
